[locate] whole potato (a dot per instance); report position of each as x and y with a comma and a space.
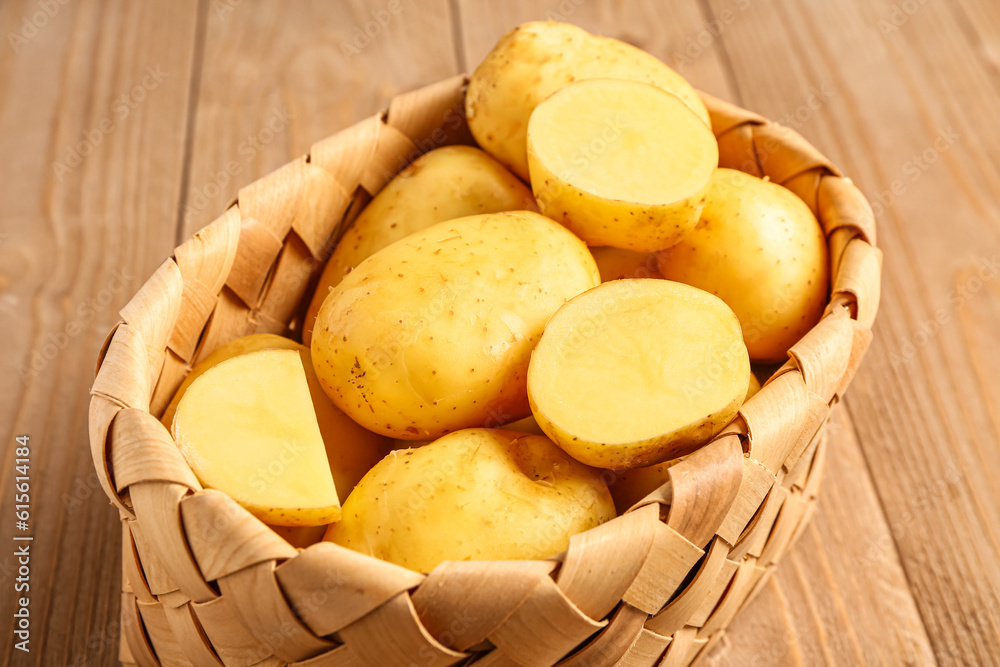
444, 184
473, 494
434, 333
760, 249
534, 60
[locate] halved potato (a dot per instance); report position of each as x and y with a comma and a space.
247, 427
620, 163
444, 184
635, 372
536, 59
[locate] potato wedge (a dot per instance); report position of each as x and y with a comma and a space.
636, 372
473, 494
443, 184
754, 232
433, 334
620, 163
536, 59
247, 428
351, 449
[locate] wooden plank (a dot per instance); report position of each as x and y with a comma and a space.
278, 77
909, 109
93, 117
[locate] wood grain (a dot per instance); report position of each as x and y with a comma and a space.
77, 242
900, 564
278, 77
922, 406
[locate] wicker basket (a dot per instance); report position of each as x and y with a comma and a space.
205, 583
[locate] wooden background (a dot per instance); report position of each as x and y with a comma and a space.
126, 126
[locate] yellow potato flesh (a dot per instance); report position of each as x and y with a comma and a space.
350, 448
760, 249
535, 60
434, 333
636, 372
444, 184
618, 264
247, 428
473, 494
620, 163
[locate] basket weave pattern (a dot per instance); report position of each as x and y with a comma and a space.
205, 583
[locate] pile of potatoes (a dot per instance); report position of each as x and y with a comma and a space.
513, 342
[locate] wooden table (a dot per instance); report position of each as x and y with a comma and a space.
126, 126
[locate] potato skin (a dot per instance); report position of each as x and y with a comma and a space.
443, 184
473, 494
534, 60
434, 333
754, 232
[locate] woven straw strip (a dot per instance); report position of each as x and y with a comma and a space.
209, 584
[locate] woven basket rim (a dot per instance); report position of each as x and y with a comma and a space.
174, 539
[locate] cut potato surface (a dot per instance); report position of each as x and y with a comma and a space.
536, 59
444, 184
233, 348
350, 448
247, 428
620, 163
433, 333
636, 372
470, 495
760, 234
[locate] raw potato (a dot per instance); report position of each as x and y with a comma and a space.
535, 60
620, 163
757, 233
753, 388
444, 184
350, 449
636, 372
618, 264
247, 428
433, 334
473, 494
